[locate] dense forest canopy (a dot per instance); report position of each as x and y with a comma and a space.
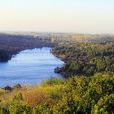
86, 58
88, 86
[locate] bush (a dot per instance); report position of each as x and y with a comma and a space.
53, 81
78, 94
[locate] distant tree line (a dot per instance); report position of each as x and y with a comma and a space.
71, 37
12, 44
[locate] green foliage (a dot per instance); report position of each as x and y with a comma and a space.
16, 106
83, 94
17, 86
19, 109
42, 109
104, 105
4, 111
86, 58
53, 81
78, 94
2, 91
18, 97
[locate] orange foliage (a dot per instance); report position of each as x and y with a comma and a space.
34, 97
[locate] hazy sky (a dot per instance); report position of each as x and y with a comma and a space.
80, 16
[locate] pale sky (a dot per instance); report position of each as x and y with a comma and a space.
79, 16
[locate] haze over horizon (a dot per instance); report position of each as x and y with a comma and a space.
77, 16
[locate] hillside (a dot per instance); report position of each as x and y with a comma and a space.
85, 58
76, 95
88, 86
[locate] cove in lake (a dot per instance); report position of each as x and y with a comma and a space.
29, 66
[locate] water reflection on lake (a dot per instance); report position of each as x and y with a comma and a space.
29, 66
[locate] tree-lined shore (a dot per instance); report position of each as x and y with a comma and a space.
85, 58
12, 44
88, 86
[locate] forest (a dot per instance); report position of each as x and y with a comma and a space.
77, 95
87, 86
12, 44
85, 58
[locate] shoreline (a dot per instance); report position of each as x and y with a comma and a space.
13, 53
58, 69
7, 84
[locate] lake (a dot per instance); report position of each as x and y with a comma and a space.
29, 66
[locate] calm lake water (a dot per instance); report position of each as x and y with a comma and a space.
29, 66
